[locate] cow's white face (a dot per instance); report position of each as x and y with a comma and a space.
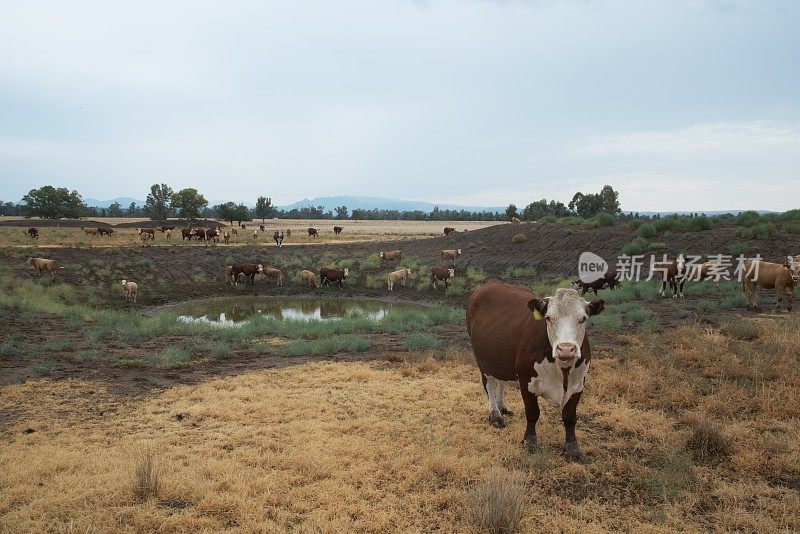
408, 272
452, 272
793, 263
124, 282
346, 272
458, 251
565, 315
381, 255
260, 268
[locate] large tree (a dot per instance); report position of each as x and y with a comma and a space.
341, 213
50, 202
157, 205
511, 212
115, 210
263, 208
610, 200
231, 211
188, 202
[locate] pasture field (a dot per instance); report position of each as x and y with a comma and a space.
354, 231
120, 418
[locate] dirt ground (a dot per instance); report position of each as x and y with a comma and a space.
392, 439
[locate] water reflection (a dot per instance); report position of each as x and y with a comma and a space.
232, 312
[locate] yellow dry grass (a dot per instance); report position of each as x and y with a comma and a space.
354, 231
405, 446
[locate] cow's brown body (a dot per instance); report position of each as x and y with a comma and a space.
32, 232
337, 230
337, 276
441, 274
106, 230
312, 232
449, 230
273, 274
607, 281
391, 255
187, 233
249, 270
768, 276
277, 235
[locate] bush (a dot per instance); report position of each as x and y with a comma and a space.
476, 275
375, 281
456, 287
146, 474
496, 505
604, 219
758, 231
748, 218
791, 215
737, 249
792, 228
656, 246
742, 330
219, 349
419, 341
636, 223
548, 219
172, 357
646, 230
666, 224
637, 246
519, 272
372, 261
519, 238
707, 443
698, 224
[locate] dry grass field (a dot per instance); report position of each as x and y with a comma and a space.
354, 232
119, 418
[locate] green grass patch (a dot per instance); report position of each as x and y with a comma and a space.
519, 238
758, 231
519, 272
646, 231
636, 247
419, 341
373, 261
476, 276
456, 287
332, 345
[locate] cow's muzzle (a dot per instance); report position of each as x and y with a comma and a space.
566, 351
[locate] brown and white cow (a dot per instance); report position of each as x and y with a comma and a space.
144, 237
390, 255
168, 233
89, 231
672, 272
212, 234
106, 230
329, 274
255, 235
262, 228
151, 231
442, 274
515, 220
187, 233
398, 276
781, 277
448, 230
313, 232
337, 230
226, 237
537, 344
248, 269
163, 229
199, 234
450, 254
277, 235
32, 232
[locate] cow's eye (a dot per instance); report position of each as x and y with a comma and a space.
582, 321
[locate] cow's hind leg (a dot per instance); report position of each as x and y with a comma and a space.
501, 399
490, 385
531, 415
569, 417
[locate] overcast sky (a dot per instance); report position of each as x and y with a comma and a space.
679, 104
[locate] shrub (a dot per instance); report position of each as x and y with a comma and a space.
698, 224
496, 504
748, 218
548, 219
737, 249
519, 238
419, 341
456, 287
707, 443
604, 219
741, 330
476, 275
671, 472
637, 246
96, 263
571, 220
791, 215
758, 231
172, 357
646, 230
656, 246
519, 272
666, 224
734, 301
792, 228
636, 223
372, 261
43, 367
9, 350
219, 349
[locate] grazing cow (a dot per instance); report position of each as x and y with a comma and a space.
212, 234
272, 273
144, 237
129, 290
199, 234
234, 231
515, 220
89, 231
312, 232
151, 231
328, 274
187, 233
106, 230
288, 232
244, 226
674, 273
262, 228
226, 236
229, 278
781, 277
168, 233
278, 237
398, 276
390, 255
32, 232
450, 254
538, 344
308, 278
43, 265
608, 281
448, 230
163, 229
248, 269
442, 274
255, 235
337, 230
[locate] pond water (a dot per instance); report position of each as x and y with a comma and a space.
236, 311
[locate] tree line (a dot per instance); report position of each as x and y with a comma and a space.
162, 203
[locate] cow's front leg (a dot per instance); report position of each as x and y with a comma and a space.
531, 415
569, 417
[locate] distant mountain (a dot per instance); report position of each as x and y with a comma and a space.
123, 201
368, 203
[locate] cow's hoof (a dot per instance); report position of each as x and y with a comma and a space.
506, 411
530, 444
497, 421
573, 452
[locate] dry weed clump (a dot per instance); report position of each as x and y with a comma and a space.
707, 443
496, 504
519, 238
146, 474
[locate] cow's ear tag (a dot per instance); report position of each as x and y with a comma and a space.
537, 315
